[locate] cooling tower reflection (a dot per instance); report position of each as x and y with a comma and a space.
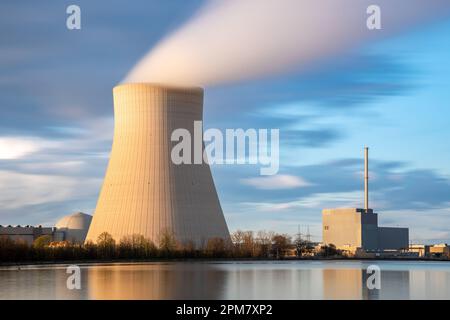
155, 281
342, 283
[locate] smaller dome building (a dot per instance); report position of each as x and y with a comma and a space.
74, 227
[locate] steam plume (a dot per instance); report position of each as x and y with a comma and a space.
234, 40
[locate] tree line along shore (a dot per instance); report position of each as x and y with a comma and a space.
243, 244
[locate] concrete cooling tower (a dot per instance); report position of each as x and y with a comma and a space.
144, 192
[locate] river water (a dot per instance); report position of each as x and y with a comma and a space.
231, 280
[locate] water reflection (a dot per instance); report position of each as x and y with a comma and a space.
271, 282
37, 283
241, 280
342, 283
159, 281
429, 284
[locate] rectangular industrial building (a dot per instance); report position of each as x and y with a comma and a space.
26, 234
350, 229
353, 229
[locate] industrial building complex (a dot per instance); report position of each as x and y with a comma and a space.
72, 228
145, 193
353, 229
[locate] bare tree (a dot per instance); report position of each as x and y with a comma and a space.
280, 243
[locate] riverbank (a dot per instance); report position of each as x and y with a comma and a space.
207, 260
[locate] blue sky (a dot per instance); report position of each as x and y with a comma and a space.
391, 95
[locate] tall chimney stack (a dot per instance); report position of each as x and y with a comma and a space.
366, 179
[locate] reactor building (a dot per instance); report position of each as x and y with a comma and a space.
71, 228
352, 229
144, 192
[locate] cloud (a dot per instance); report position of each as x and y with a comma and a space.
53, 77
20, 190
351, 82
18, 147
11, 148
426, 226
279, 181
394, 186
42, 91
54, 176
317, 201
235, 40
310, 138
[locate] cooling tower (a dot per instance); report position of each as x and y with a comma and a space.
144, 192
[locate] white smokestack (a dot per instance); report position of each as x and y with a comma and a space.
233, 40
366, 179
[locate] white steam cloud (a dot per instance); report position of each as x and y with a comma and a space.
235, 40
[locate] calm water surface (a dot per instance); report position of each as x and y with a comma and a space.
230, 280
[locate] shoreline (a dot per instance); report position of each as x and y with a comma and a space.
204, 260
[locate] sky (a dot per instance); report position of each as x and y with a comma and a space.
392, 95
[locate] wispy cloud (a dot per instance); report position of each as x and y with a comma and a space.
394, 186
280, 181
21, 190
316, 201
285, 36
43, 178
18, 147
